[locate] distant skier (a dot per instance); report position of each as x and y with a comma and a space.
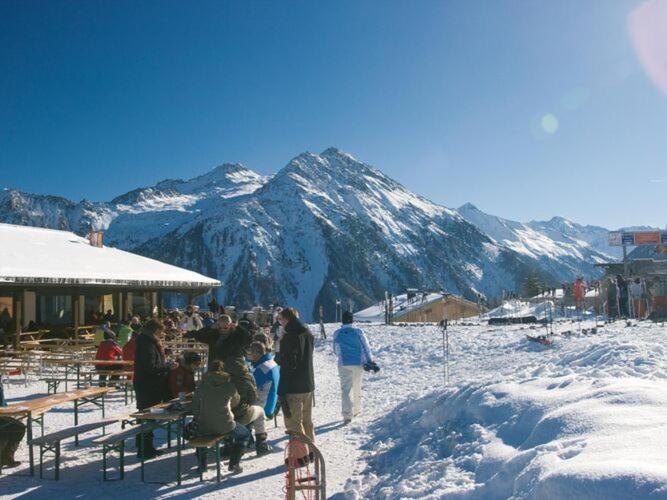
622, 296
351, 346
579, 290
636, 293
612, 299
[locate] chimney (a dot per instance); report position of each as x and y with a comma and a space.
96, 239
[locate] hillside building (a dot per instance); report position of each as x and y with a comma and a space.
52, 279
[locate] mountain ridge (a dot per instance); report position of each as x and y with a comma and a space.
324, 227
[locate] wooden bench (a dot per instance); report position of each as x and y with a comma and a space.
203, 445
34, 410
116, 442
51, 442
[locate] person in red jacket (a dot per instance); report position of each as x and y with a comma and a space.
579, 289
129, 350
109, 350
182, 378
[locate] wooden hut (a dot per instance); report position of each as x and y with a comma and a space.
51, 279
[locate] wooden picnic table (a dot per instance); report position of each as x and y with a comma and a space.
162, 416
74, 365
34, 410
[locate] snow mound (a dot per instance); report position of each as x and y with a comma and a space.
589, 422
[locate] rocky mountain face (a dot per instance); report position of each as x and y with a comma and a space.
324, 227
562, 248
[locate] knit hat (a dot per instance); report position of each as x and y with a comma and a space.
347, 317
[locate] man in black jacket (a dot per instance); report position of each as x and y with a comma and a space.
297, 378
212, 335
150, 377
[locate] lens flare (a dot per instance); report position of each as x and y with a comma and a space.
549, 123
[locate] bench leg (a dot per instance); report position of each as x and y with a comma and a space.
122, 459
141, 450
57, 460
41, 461
217, 460
76, 421
201, 461
31, 455
179, 445
169, 436
104, 462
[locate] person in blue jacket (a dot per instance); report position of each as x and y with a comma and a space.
267, 375
351, 347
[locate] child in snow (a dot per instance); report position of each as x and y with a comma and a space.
267, 376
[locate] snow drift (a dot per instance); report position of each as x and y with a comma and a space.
587, 422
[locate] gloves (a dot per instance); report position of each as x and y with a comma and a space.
371, 366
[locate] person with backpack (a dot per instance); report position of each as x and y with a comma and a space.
354, 353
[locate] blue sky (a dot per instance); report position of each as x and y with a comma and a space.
527, 109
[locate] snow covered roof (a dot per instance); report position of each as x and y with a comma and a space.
402, 306
37, 256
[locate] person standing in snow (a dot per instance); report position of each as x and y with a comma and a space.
579, 289
276, 333
636, 292
612, 299
296, 387
622, 286
151, 370
267, 376
351, 347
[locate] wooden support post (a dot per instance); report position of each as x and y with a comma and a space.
119, 312
160, 304
153, 303
76, 320
17, 314
127, 310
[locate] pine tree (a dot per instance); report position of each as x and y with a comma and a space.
532, 285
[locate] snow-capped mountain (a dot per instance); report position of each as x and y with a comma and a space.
324, 227
559, 246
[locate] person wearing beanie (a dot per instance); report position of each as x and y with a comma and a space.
351, 347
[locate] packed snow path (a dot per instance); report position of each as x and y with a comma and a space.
585, 418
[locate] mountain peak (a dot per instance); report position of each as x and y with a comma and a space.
468, 207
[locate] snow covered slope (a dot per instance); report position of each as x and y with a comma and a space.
561, 247
328, 226
324, 227
583, 419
